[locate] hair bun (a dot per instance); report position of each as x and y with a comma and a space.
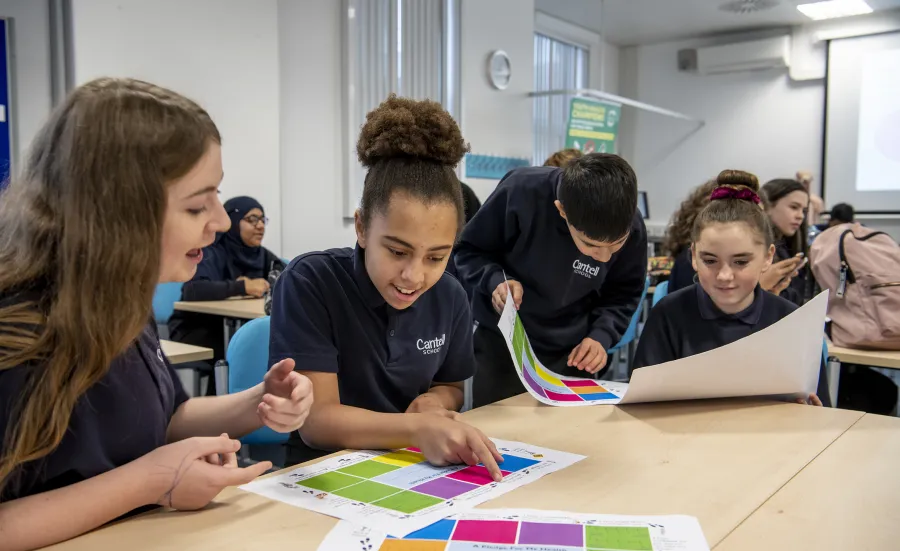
737, 179
403, 127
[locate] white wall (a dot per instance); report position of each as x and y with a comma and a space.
761, 122
768, 122
311, 153
31, 63
497, 122
221, 53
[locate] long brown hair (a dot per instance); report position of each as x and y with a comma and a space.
82, 229
776, 190
678, 236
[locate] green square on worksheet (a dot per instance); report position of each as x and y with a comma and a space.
620, 538
368, 469
367, 491
408, 502
329, 482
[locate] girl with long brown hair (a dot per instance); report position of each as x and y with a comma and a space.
787, 202
119, 193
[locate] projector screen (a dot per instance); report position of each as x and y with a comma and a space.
862, 130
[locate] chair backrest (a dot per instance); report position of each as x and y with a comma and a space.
631, 331
248, 362
662, 289
164, 299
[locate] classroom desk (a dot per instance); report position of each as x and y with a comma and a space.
242, 309
233, 311
717, 460
179, 352
876, 358
847, 498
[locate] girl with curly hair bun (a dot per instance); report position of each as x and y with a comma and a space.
380, 329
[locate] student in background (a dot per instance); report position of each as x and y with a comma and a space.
472, 204
732, 245
119, 193
842, 213
678, 236
382, 331
563, 157
574, 249
816, 204
236, 265
470, 200
786, 202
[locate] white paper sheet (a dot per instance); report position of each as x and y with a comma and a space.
781, 360
399, 492
529, 530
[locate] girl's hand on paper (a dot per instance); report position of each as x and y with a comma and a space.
445, 441
811, 400
498, 298
588, 356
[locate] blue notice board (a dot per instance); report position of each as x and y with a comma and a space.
5, 107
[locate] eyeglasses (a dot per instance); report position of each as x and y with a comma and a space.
254, 220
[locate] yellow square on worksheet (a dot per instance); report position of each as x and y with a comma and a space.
402, 458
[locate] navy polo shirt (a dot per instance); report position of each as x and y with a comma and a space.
688, 322
568, 296
122, 417
328, 316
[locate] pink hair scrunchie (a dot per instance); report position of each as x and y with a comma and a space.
744, 194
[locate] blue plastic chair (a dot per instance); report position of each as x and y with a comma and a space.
630, 334
164, 299
248, 362
631, 331
662, 289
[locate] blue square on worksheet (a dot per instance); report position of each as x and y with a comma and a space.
440, 531
599, 396
513, 463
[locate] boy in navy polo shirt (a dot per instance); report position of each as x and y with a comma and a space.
574, 248
382, 332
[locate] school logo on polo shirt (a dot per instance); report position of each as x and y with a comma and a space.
432, 346
585, 270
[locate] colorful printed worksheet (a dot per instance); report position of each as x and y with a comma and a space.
529, 530
781, 361
399, 491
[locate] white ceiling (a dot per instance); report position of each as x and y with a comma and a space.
630, 22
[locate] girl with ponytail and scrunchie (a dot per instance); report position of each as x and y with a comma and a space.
732, 248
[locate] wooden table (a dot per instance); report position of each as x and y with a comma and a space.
876, 358
244, 309
179, 352
847, 498
717, 460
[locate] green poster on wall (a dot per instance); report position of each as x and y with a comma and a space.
593, 125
